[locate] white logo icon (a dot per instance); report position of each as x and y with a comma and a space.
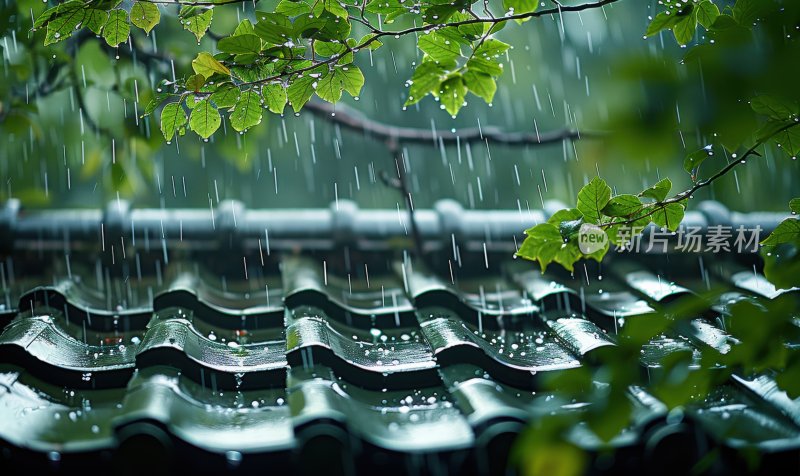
591, 238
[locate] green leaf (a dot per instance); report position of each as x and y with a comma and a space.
352, 79
774, 108
329, 88
385, 7
569, 229
452, 34
255, 72
247, 111
659, 191
451, 93
159, 96
692, 161
520, 6
318, 7
332, 84
207, 65
326, 49
707, 12
480, 84
622, 206
275, 97
472, 30
246, 28
191, 101
770, 129
437, 14
794, 205
787, 231
245, 59
240, 44
205, 119
292, 9
789, 140
196, 20
662, 21
48, 14
173, 118
334, 7
145, 15
748, 11
491, 48
601, 253
195, 82
568, 254
117, 27
782, 264
373, 45
684, 29
438, 47
274, 28
300, 91
491, 67
327, 27
225, 96
95, 20
726, 23
643, 218
592, 198
669, 216
426, 79
541, 244
789, 379
64, 21
567, 214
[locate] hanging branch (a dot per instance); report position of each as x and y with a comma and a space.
395, 136
353, 120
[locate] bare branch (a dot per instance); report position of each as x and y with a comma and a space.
353, 120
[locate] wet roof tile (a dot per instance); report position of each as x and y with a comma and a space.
395, 366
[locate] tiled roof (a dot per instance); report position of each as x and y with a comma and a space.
306, 364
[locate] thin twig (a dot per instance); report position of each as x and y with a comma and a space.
401, 184
686, 194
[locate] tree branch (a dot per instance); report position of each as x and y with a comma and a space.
430, 27
351, 119
686, 194
200, 3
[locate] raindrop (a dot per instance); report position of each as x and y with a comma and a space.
234, 458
